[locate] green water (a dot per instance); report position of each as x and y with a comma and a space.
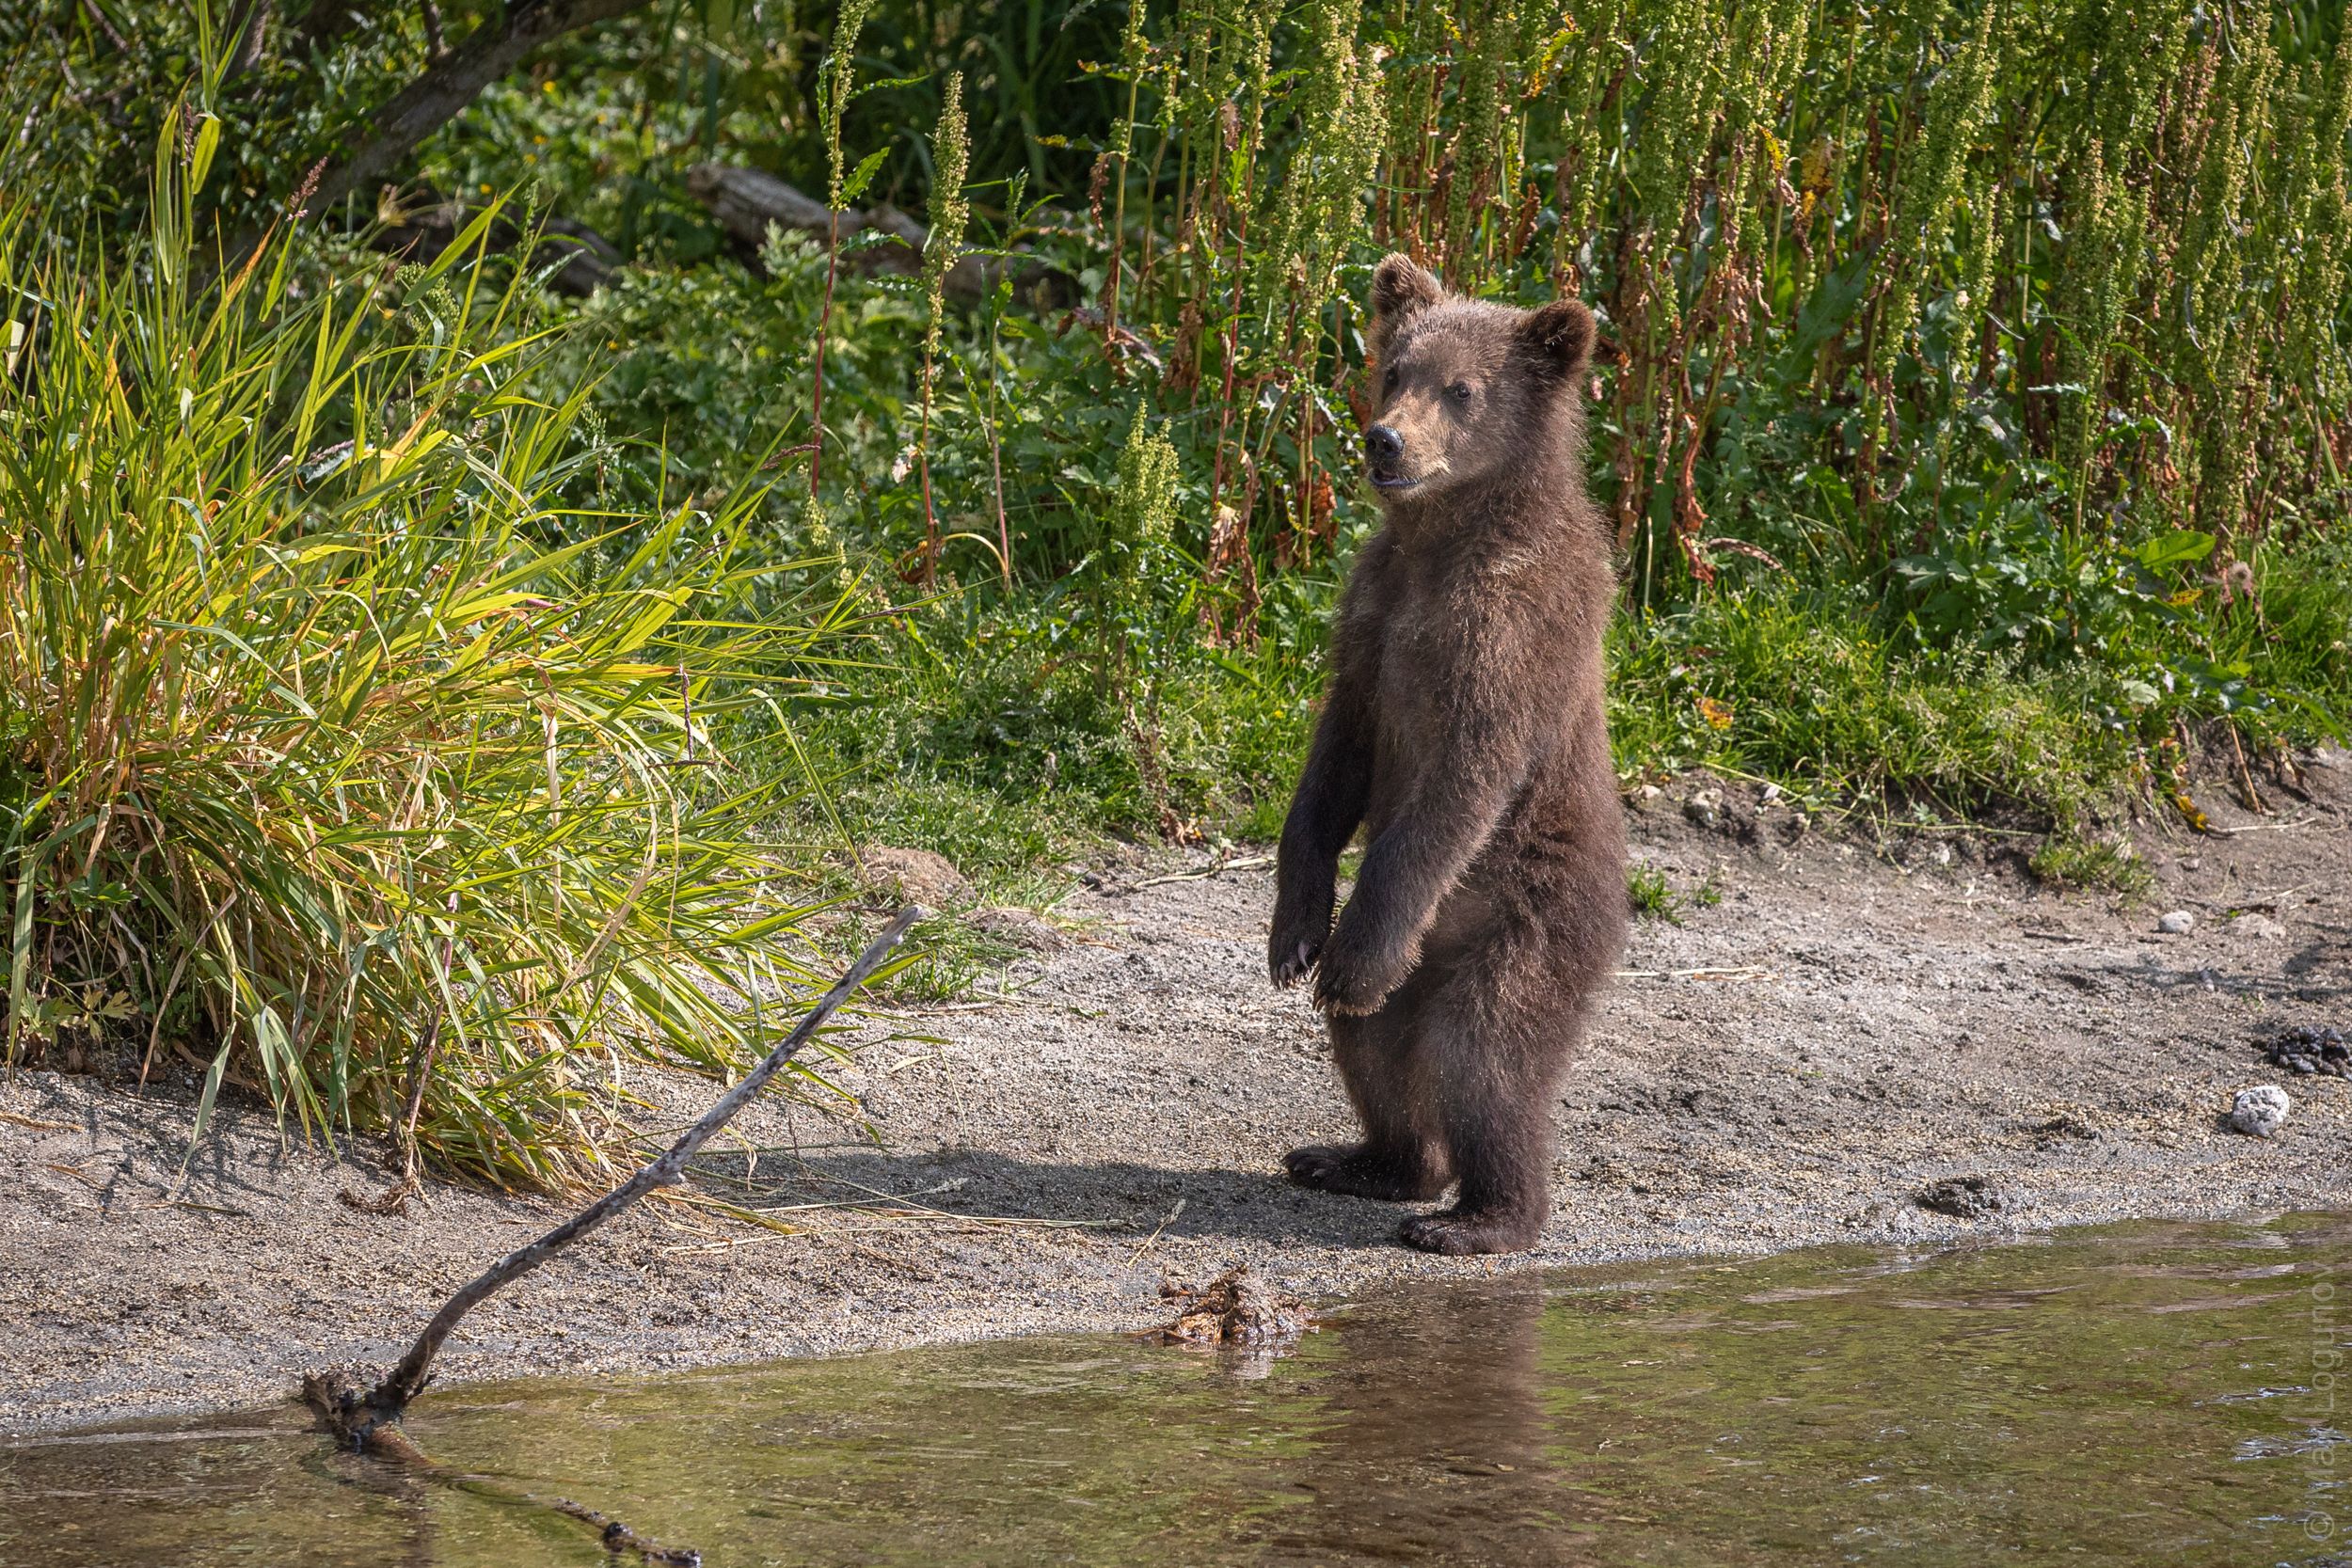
2150, 1394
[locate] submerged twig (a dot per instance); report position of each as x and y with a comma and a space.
363, 1418
390, 1443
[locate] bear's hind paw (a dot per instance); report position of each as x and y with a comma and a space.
1347, 1170
1458, 1234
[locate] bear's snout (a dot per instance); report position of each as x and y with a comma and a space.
1384, 444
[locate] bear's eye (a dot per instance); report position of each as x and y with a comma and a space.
1459, 391
1388, 383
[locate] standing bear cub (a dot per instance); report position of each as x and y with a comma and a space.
1464, 731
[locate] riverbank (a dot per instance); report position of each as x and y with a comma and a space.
1839, 1024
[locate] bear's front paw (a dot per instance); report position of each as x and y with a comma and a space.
1342, 993
1289, 954
1301, 925
1353, 984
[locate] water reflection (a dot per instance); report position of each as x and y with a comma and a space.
1433, 1444
2151, 1394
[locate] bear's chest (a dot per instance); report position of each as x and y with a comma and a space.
1418, 653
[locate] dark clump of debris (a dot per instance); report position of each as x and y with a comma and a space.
2308, 1049
1965, 1197
1234, 1308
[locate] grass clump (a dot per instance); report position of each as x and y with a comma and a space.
1802, 690
1653, 897
2067, 860
330, 726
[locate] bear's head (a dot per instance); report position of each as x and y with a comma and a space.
1463, 388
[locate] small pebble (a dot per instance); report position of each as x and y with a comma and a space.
2178, 924
1967, 1197
1706, 808
2260, 1110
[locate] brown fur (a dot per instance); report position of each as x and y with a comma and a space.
1464, 731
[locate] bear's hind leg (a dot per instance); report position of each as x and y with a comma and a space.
1494, 1055
1397, 1161
1505, 1157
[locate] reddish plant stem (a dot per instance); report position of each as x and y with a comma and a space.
1232, 328
824, 326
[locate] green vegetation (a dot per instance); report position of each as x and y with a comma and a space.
1652, 896
2091, 862
332, 733
1973, 416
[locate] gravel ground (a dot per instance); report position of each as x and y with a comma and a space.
1851, 1028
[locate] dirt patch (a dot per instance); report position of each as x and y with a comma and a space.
1844, 1027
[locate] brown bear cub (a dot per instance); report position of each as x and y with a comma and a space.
1464, 731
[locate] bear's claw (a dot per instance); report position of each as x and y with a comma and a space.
1290, 970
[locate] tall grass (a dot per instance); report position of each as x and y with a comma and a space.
2000, 341
330, 729
1853, 260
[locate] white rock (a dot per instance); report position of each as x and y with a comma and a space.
2260, 1110
1706, 808
2178, 924
2257, 926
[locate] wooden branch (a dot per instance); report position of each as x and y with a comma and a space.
430, 101
387, 1442
747, 201
359, 1418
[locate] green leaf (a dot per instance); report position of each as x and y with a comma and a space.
207, 144
2182, 545
856, 184
890, 82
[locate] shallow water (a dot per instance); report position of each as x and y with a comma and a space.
2144, 1394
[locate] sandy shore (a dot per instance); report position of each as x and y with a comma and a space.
1851, 1022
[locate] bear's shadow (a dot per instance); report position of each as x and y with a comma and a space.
1234, 1205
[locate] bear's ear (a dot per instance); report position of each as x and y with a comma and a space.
1400, 289
1561, 335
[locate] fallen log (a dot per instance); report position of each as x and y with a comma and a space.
361, 1413
748, 201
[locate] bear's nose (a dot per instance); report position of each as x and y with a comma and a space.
1385, 444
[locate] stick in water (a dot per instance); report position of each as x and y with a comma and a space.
356, 1417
